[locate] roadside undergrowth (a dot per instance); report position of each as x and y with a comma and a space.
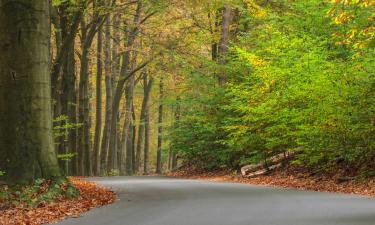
47, 201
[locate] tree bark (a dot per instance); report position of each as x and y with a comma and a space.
128, 128
160, 127
83, 103
147, 143
177, 120
26, 143
147, 85
98, 121
124, 76
109, 80
87, 35
224, 42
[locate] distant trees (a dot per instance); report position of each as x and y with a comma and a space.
103, 141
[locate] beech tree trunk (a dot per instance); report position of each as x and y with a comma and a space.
128, 128
98, 120
177, 120
125, 74
160, 127
224, 41
147, 143
109, 93
147, 85
87, 36
26, 142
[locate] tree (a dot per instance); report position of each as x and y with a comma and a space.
160, 127
98, 120
26, 142
147, 85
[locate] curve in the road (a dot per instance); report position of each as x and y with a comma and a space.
170, 201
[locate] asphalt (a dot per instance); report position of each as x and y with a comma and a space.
170, 201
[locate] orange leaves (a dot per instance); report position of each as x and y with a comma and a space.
355, 18
291, 177
92, 196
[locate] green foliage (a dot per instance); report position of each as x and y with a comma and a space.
61, 130
61, 2
291, 88
114, 173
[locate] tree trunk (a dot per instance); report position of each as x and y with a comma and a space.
160, 127
109, 93
128, 129
26, 142
147, 85
84, 153
69, 88
147, 143
124, 76
87, 36
224, 41
177, 120
134, 133
98, 121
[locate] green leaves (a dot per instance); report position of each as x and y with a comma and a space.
290, 87
60, 2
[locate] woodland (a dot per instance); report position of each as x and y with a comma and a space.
137, 87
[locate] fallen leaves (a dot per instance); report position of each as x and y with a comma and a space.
91, 196
288, 178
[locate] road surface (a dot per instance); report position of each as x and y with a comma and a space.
170, 201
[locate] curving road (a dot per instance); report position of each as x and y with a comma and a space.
170, 201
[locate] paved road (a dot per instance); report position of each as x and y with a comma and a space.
169, 201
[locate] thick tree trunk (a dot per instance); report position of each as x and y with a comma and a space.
98, 120
160, 127
26, 142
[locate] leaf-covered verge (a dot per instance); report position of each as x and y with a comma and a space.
295, 177
43, 202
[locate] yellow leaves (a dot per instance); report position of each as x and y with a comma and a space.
256, 10
268, 86
362, 3
343, 17
356, 19
253, 59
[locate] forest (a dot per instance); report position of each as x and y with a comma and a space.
139, 87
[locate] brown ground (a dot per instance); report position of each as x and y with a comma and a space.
92, 196
291, 177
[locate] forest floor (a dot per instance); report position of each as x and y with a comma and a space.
16, 211
289, 177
